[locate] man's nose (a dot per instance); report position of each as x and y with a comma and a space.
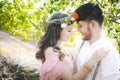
78, 29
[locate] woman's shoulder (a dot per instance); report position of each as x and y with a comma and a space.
48, 51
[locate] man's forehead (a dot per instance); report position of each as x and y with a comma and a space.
81, 22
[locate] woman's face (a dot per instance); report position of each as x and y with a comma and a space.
66, 33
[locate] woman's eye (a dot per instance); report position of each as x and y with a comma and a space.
69, 30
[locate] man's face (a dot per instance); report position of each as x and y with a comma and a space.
84, 29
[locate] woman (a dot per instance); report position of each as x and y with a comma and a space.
57, 60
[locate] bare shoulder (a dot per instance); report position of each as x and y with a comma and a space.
48, 51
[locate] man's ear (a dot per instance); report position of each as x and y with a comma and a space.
92, 23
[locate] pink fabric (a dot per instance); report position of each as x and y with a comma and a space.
52, 68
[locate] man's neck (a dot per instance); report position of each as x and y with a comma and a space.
95, 33
94, 38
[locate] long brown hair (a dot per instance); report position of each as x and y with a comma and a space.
50, 38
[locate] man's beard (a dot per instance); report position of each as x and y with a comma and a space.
88, 35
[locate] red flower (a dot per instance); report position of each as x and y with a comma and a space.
75, 15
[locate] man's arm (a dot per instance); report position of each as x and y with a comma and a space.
110, 66
89, 65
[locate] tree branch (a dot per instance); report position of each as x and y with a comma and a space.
114, 21
100, 4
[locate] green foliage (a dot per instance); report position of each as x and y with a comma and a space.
112, 20
27, 19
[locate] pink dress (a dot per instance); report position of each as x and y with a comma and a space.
52, 68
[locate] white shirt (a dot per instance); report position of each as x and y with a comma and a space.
110, 65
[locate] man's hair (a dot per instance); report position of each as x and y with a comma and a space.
90, 11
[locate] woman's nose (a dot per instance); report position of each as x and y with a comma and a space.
71, 33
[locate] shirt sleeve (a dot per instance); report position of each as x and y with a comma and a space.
110, 66
52, 67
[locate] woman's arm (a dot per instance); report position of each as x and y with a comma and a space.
67, 75
88, 66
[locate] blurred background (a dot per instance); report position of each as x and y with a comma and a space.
22, 22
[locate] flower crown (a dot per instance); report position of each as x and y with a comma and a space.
59, 21
64, 21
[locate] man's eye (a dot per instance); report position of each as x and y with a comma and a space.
80, 26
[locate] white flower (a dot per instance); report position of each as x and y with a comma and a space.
72, 19
63, 25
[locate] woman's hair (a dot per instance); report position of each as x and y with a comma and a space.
52, 35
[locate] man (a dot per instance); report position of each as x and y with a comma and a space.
90, 18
